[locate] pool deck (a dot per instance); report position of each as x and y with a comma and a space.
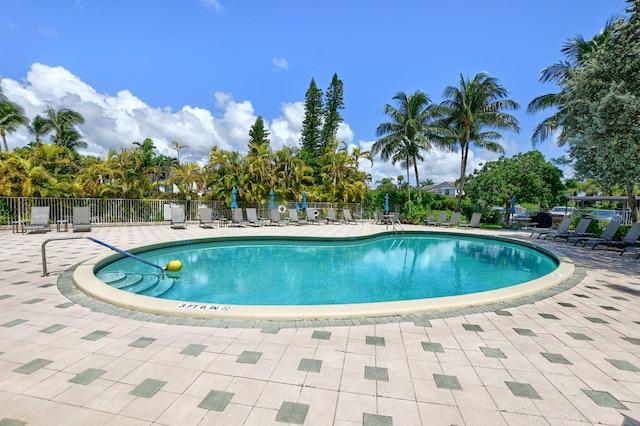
572, 358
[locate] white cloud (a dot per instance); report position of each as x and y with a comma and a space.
212, 4
281, 63
114, 122
48, 30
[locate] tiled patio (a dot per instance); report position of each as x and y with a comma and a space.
569, 359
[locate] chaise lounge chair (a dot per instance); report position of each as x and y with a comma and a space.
252, 217
563, 227
474, 222
378, 218
350, 219
39, 220
236, 217
313, 215
81, 219
607, 235
206, 218
441, 218
331, 217
629, 240
454, 221
580, 231
293, 217
275, 219
177, 218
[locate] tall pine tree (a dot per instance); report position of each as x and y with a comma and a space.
311, 126
333, 104
258, 135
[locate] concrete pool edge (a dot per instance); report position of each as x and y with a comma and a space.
85, 280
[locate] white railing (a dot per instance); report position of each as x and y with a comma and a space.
125, 211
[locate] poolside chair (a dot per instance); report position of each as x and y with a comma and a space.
629, 240
378, 218
252, 217
350, 219
39, 220
177, 218
206, 218
294, 218
331, 217
474, 222
237, 219
441, 218
607, 235
313, 215
81, 221
431, 219
275, 219
563, 227
580, 231
454, 221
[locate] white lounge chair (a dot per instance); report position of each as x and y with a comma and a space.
177, 218
81, 221
39, 221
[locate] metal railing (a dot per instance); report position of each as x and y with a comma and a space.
126, 211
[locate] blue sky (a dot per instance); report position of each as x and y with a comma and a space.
201, 71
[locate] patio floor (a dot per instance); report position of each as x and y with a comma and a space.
569, 359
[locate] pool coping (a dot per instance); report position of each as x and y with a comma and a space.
104, 297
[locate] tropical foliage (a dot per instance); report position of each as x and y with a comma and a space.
527, 176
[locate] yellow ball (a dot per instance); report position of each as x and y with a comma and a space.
174, 265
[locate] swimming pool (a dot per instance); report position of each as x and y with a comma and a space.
397, 256
320, 271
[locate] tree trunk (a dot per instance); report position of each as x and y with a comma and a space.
4, 139
408, 184
463, 171
415, 169
632, 202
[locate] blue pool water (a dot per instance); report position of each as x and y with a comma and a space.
311, 272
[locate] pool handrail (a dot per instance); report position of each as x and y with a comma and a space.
95, 240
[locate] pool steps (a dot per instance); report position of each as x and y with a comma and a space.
144, 284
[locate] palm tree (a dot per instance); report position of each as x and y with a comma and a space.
11, 117
178, 146
576, 50
39, 126
472, 106
411, 129
63, 121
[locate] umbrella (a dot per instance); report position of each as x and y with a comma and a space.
386, 202
304, 200
272, 201
234, 205
513, 206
